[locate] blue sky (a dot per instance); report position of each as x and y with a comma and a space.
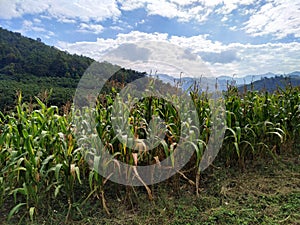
231, 37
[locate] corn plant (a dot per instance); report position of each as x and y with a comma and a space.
42, 157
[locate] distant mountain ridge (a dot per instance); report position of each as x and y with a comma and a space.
223, 81
252, 78
272, 84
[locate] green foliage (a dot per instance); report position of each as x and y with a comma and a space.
258, 123
20, 55
41, 158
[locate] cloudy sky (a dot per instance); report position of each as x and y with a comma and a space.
230, 36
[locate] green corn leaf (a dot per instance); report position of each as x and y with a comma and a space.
41, 104
165, 147
46, 161
278, 135
31, 213
57, 190
77, 173
237, 149
57, 170
15, 210
91, 177
248, 143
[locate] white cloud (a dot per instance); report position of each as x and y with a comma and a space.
227, 6
8, 10
242, 59
64, 20
183, 10
101, 46
278, 18
35, 26
140, 22
137, 36
199, 43
211, 3
29, 26
15, 8
84, 10
198, 12
263, 58
224, 19
162, 56
163, 8
116, 28
131, 5
36, 20
263, 20
233, 28
50, 33
184, 2
94, 28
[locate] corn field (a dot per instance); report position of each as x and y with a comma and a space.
42, 160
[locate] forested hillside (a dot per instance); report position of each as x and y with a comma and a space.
273, 84
34, 68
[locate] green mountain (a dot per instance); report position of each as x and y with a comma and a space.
20, 55
273, 84
34, 68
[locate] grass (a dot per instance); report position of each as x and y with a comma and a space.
265, 193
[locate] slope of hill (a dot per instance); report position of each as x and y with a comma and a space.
33, 67
20, 55
272, 84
